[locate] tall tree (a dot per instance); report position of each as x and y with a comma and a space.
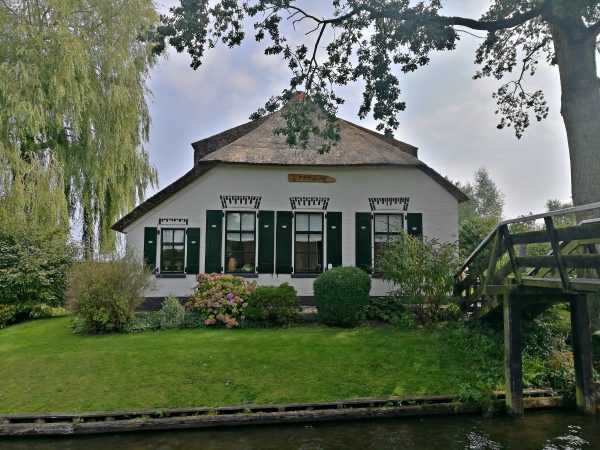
373, 38
481, 213
72, 107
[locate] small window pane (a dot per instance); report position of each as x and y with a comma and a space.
179, 236
301, 222
233, 221
247, 237
395, 223
233, 237
316, 222
381, 224
248, 221
380, 238
302, 238
167, 236
316, 237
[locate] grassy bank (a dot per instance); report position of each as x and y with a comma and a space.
47, 368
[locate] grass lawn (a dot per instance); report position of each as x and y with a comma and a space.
44, 367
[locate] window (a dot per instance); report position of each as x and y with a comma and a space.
308, 255
388, 229
172, 250
240, 241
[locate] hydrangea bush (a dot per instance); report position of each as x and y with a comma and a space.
221, 299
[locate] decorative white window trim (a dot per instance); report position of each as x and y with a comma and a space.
240, 201
172, 221
309, 203
400, 203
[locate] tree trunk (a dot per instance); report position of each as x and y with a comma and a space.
580, 108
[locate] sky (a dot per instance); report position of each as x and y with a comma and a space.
449, 116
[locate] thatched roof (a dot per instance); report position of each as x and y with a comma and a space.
255, 143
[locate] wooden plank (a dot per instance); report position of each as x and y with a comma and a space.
579, 232
582, 354
560, 263
491, 269
559, 212
593, 250
570, 261
511, 253
577, 284
513, 363
575, 232
530, 237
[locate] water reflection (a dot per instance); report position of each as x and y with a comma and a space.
539, 431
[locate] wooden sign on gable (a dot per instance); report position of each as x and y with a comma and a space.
309, 178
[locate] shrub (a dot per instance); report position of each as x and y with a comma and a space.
172, 314
11, 314
33, 265
422, 272
103, 294
390, 310
193, 319
142, 322
273, 305
341, 296
221, 299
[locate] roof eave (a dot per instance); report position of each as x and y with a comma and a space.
198, 170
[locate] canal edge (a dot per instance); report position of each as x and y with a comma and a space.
242, 415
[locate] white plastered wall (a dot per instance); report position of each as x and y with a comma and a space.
348, 194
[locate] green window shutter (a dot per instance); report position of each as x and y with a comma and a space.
283, 252
150, 238
334, 238
192, 265
266, 241
363, 241
214, 228
414, 224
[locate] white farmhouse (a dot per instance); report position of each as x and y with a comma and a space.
253, 206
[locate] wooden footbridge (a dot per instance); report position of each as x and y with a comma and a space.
501, 279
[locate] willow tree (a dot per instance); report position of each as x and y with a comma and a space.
371, 41
73, 110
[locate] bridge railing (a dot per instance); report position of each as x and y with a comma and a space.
565, 257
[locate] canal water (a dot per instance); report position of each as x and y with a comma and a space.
540, 430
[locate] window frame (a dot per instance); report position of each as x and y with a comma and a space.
387, 233
321, 253
172, 244
240, 231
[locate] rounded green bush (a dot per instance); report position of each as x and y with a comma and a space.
342, 295
273, 305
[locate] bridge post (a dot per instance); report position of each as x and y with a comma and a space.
513, 370
582, 354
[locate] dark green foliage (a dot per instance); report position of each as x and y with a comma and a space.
547, 359
472, 231
103, 294
33, 265
273, 305
484, 344
10, 314
422, 272
142, 322
390, 310
165, 318
193, 320
341, 296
